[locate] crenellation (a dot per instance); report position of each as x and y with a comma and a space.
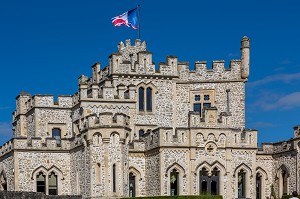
130, 125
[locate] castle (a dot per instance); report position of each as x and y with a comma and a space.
136, 130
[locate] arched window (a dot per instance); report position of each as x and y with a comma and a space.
149, 99
258, 186
41, 183
141, 99
145, 99
174, 182
242, 184
114, 177
56, 133
3, 185
52, 181
131, 185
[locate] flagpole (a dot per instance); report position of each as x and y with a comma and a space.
139, 24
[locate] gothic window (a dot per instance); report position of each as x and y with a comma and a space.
258, 186
56, 134
141, 98
131, 185
197, 97
145, 99
52, 181
114, 177
174, 182
242, 184
149, 99
41, 183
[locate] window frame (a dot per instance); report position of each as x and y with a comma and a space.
147, 107
200, 97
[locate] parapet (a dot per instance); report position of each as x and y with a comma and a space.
26, 102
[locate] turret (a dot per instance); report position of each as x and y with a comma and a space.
245, 57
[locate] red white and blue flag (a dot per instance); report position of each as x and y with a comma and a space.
129, 18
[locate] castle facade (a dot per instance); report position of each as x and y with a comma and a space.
134, 130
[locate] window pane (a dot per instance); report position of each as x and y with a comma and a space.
149, 99
40, 183
241, 184
141, 99
56, 133
197, 97
206, 105
197, 108
52, 180
141, 133
206, 97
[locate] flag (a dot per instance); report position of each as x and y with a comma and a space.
129, 18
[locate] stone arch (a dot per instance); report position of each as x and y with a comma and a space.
204, 164
210, 167
113, 137
97, 138
222, 138
263, 181
217, 164
47, 172
179, 173
244, 167
211, 137
262, 171
138, 178
57, 171
3, 180
199, 138
38, 170
248, 176
283, 176
176, 166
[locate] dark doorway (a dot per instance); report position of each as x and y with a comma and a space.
258, 186
131, 185
174, 182
209, 184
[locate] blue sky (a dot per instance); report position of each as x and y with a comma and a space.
46, 45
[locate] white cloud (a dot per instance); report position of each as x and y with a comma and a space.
286, 78
283, 103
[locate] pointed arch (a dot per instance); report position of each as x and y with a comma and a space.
282, 168
57, 171
242, 166
177, 166
38, 170
262, 172
135, 171
202, 165
3, 180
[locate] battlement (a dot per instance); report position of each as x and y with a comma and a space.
104, 120
6, 147
26, 102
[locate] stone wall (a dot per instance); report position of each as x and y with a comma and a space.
33, 195
29, 164
7, 171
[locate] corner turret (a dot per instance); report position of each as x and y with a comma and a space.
245, 57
